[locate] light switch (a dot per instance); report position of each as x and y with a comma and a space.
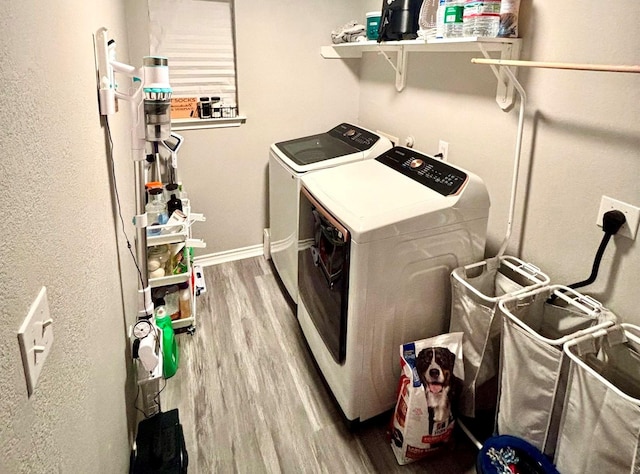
35, 337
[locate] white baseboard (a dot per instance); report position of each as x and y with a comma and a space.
229, 255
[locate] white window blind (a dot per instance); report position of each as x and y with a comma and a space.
197, 37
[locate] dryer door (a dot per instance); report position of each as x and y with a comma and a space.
323, 273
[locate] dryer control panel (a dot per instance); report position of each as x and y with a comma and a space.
435, 174
354, 136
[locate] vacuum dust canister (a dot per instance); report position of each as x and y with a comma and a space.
157, 98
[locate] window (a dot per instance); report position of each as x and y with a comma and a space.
198, 38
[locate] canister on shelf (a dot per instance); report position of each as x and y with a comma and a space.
205, 107
158, 261
373, 23
156, 208
216, 107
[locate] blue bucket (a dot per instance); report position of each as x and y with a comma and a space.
502, 454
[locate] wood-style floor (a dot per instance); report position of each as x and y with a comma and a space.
251, 399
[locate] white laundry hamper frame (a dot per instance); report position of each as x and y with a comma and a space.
533, 369
600, 425
474, 311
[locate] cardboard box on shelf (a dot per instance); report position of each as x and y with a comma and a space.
184, 107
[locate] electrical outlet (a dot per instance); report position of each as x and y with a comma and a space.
631, 214
35, 337
443, 148
409, 141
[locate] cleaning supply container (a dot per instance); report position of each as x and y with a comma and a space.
476, 291
170, 353
533, 371
600, 425
373, 23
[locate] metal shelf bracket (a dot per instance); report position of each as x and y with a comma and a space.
505, 96
400, 66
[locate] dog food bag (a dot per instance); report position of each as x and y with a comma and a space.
429, 386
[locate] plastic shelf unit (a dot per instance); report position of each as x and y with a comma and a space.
170, 234
507, 48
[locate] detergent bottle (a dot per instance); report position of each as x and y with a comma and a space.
170, 354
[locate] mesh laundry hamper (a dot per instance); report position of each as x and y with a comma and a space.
476, 290
533, 371
600, 427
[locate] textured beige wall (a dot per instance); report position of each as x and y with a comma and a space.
581, 137
59, 231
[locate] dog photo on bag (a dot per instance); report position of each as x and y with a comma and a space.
435, 369
428, 390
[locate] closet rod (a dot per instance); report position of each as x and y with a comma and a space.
551, 65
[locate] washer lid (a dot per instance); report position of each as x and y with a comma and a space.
341, 144
373, 200
320, 147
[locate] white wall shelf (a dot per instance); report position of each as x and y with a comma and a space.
508, 49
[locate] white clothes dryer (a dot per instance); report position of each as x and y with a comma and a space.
386, 235
291, 159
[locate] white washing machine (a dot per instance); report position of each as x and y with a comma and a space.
288, 161
386, 235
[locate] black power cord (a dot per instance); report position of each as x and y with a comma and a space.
611, 223
117, 196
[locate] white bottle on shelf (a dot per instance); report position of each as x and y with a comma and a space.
453, 16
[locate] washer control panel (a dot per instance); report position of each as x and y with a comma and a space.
354, 136
433, 173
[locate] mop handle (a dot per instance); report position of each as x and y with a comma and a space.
558, 65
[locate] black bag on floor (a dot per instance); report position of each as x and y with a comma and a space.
160, 446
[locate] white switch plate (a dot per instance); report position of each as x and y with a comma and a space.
631, 214
36, 338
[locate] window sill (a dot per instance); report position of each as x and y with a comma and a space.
197, 124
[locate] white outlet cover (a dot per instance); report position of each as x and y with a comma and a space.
443, 147
631, 214
35, 339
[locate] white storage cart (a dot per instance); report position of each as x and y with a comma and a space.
600, 426
476, 290
533, 371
